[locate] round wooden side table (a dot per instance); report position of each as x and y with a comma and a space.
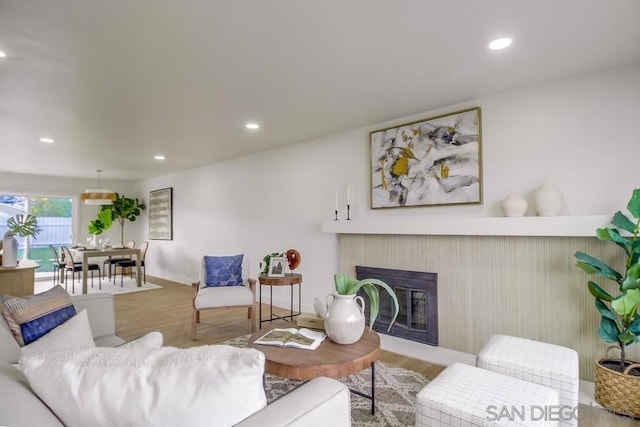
289, 279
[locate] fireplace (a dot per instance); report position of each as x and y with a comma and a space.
417, 293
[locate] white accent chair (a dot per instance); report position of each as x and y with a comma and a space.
219, 297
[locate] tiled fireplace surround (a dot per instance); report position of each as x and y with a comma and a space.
513, 276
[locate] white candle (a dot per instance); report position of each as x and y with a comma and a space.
336, 200
348, 194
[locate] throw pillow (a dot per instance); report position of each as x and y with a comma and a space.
31, 317
198, 386
223, 270
150, 341
75, 333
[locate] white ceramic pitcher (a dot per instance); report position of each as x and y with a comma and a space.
344, 321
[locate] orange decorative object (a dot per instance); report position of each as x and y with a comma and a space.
293, 258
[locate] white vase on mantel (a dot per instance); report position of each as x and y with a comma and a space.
547, 200
514, 206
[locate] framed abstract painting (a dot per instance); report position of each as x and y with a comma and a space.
431, 162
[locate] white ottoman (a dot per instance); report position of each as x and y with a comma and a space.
464, 395
541, 363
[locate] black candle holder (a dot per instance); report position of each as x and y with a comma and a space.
336, 217
348, 212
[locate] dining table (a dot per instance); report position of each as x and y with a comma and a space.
86, 253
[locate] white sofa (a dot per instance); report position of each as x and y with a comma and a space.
320, 402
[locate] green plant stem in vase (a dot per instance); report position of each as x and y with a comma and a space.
23, 225
20, 225
346, 285
344, 318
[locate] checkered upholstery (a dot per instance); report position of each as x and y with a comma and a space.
541, 363
464, 395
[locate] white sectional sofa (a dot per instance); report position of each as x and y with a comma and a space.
320, 402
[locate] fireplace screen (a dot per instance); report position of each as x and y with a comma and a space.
417, 295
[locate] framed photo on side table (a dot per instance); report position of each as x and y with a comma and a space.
161, 214
276, 266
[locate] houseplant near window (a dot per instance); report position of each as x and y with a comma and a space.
344, 319
123, 209
20, 225
617, 385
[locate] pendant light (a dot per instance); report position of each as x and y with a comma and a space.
99, 196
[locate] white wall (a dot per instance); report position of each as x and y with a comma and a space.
580, 134
39, 185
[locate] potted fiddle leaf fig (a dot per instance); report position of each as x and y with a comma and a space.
344, 318
620, 322
122, 209
101, 223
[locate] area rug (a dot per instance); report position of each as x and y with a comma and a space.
396, 390
128, 285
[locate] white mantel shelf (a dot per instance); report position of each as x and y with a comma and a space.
577, 226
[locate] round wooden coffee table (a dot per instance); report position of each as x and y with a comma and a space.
328, 360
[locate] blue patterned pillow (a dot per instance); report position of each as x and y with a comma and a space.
223, 270
31, 317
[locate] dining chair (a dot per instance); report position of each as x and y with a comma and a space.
58, 265
130, 263
218, 290
112, 261
73, 267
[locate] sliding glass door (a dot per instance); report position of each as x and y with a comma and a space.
55, 219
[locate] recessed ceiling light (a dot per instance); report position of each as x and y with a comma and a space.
252, 126
500, 43
159, 157
2, 54
47, 140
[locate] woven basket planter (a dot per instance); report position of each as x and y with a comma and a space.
618, 391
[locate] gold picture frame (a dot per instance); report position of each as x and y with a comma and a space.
430, 162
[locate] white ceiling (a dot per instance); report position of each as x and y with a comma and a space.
117, 81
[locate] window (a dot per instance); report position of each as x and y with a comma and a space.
54, 220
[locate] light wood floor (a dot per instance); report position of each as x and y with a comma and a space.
168, 310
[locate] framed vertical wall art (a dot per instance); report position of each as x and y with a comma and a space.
161, 214
431, 162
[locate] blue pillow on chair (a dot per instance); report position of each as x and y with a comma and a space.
223, 270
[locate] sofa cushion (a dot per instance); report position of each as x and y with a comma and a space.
72, 334
168, 386
223, 270
9, 348
31, 317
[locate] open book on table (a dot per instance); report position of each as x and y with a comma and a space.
292, 337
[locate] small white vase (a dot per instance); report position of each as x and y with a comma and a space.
514, 206
9, 251
547, 200
344, 321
